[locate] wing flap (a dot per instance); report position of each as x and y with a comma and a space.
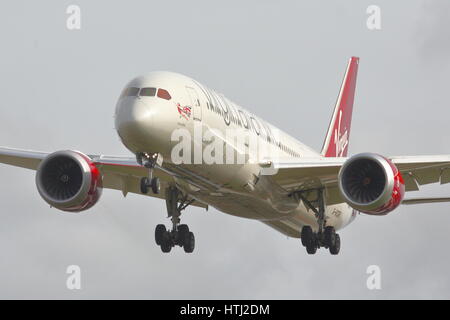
427, 176
445, 176
410, 182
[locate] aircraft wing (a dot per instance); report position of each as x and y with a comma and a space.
305, 174
119, 173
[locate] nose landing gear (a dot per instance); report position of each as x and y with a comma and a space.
149, 161
152, 183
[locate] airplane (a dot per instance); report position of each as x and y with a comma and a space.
288, 186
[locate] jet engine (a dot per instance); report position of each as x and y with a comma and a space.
69, 181
371, 184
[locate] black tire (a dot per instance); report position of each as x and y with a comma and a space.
145, 182
307, 236
166, 248
160, 232
189, 243
311, 249
166, 244
330, 236
334, 250
156, 185
183, 232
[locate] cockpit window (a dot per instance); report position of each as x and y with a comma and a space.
148, 92
129, 92
164, 94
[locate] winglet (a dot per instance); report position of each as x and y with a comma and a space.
337, 138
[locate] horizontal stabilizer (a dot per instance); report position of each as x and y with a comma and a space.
425, 200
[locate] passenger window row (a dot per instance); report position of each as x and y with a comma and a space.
146, 92
281, 146
288, 150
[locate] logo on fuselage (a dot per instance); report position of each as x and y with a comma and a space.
185, 112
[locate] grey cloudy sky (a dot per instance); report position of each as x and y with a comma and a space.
284, 61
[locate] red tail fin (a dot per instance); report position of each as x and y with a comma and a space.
337, 138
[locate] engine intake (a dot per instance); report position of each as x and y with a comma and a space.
69, 181
371, 184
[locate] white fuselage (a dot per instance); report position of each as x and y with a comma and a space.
157, 119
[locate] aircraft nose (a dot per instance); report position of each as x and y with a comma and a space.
133, 119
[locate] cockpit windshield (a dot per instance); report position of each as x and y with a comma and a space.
130, 92
164, 94
146, 92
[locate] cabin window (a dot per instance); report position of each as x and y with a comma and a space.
164, 94
148, 92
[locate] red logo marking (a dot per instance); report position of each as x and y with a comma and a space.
185, 112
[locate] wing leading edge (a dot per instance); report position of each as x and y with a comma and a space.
119, 173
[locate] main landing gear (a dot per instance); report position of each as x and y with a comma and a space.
180, 235
326, 236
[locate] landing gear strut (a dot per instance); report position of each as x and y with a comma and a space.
149, 161
326, 236
180, 235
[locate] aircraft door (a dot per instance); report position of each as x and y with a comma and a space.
195, 103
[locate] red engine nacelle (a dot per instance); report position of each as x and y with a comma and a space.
69, 181
371, 184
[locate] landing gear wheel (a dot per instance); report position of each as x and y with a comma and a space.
311, 248
189, 243
330, 236
309, 240
307, 236
183, 232
179, 234
156, 185
334, 250
160, 232
166, 244
153, 183
325, 236
145, 182
165, 247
